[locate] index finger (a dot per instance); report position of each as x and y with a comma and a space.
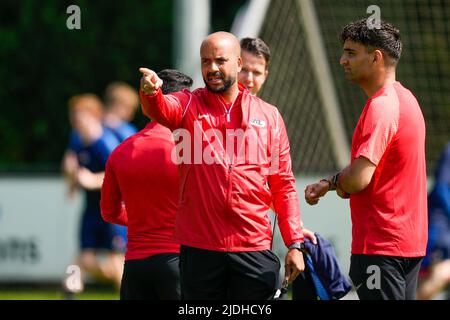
146, 71
294, 273
287, 275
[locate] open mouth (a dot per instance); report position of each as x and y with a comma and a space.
215, 78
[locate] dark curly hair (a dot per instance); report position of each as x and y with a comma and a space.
174, 80
386, 38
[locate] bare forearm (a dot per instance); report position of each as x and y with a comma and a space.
89, 180
356, 177
350, 182
353, 179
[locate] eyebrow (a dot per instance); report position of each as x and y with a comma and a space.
349, 50
214, 58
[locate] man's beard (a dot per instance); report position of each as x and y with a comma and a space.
227, 83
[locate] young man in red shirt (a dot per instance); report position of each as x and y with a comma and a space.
386, 180
235, 162
141, 191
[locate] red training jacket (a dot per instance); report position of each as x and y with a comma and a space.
225, 195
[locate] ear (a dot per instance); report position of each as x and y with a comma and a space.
239, 63
378, 56
266, 73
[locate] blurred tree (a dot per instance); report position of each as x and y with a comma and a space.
44, 63
223, 13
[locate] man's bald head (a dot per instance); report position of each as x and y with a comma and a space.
223, 38
221, 61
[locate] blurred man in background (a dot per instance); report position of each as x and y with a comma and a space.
255, 64
386, 180
121, 102
90, 145
141, 191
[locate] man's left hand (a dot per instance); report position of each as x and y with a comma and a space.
309, 235
293, 265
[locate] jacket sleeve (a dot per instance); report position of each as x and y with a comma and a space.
282, 186
167, 110
112, 208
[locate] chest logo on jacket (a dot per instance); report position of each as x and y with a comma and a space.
258, 123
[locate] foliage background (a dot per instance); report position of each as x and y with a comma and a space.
43, 64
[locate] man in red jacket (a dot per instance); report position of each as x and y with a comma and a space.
233, 154
140, 173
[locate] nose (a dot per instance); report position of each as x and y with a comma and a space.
249, 77
214, 67
342, 60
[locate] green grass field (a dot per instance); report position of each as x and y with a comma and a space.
49, 295
54, 293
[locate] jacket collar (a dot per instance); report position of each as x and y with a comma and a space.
245, 102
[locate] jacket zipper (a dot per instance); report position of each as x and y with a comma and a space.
230, 172
230, 168
230, 179
227, 111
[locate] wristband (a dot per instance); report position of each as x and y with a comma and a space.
335, 180
297, 245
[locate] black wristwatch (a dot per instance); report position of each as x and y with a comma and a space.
334, 181
297, 245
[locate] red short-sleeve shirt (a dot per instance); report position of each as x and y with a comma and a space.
389, 217
141, 190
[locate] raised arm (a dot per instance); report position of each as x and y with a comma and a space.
165, 109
